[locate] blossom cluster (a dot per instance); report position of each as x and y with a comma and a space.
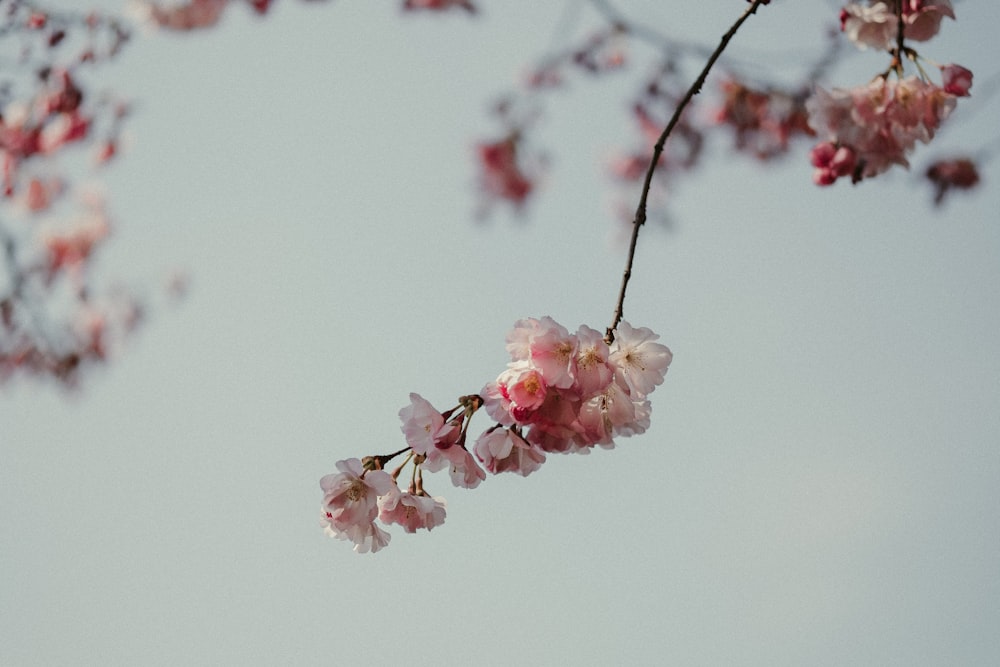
502, 173
188, 15
952, 174
55, 319
866, 129
870, 128
561, 392
763, 121
876, 24
574, 391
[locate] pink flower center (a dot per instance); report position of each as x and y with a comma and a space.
356, 491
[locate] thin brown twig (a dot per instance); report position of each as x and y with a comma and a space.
640, 213
897, 59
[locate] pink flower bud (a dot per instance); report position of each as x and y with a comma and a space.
956, 80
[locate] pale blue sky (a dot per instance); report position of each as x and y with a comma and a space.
820, 482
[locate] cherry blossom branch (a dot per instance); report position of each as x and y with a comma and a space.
640, 213
897, 57
900, 29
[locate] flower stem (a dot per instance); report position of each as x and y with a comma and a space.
640, 213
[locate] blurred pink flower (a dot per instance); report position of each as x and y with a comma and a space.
875, 25
956, 80
880, 123
954, 174
501, 174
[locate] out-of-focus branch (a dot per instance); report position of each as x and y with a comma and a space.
640, 213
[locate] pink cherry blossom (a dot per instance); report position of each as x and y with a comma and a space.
553, 443
411, 511
639, 422
876, 24
555, 426
545, 345
37, 20
553, 418
593, 369
880, 123
639, 362
367, 537
64, 128
463, 469
553, 353
763, 121
502, 175
496, 405
183, 16
525, 388
561, 392
350, 504
62, 95
19, 136
105, 151
503, 450
519, 338
449, 452
421, 423
873, 26
261, 6
956, 80
922, 18
40, 193
613, 413
521, 390
447, 436
831, 162
351, 494
70, 247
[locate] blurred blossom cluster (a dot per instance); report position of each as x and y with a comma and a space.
866, 129
870, 128
56, 129
876, 24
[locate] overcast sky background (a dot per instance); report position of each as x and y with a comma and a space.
820, 482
